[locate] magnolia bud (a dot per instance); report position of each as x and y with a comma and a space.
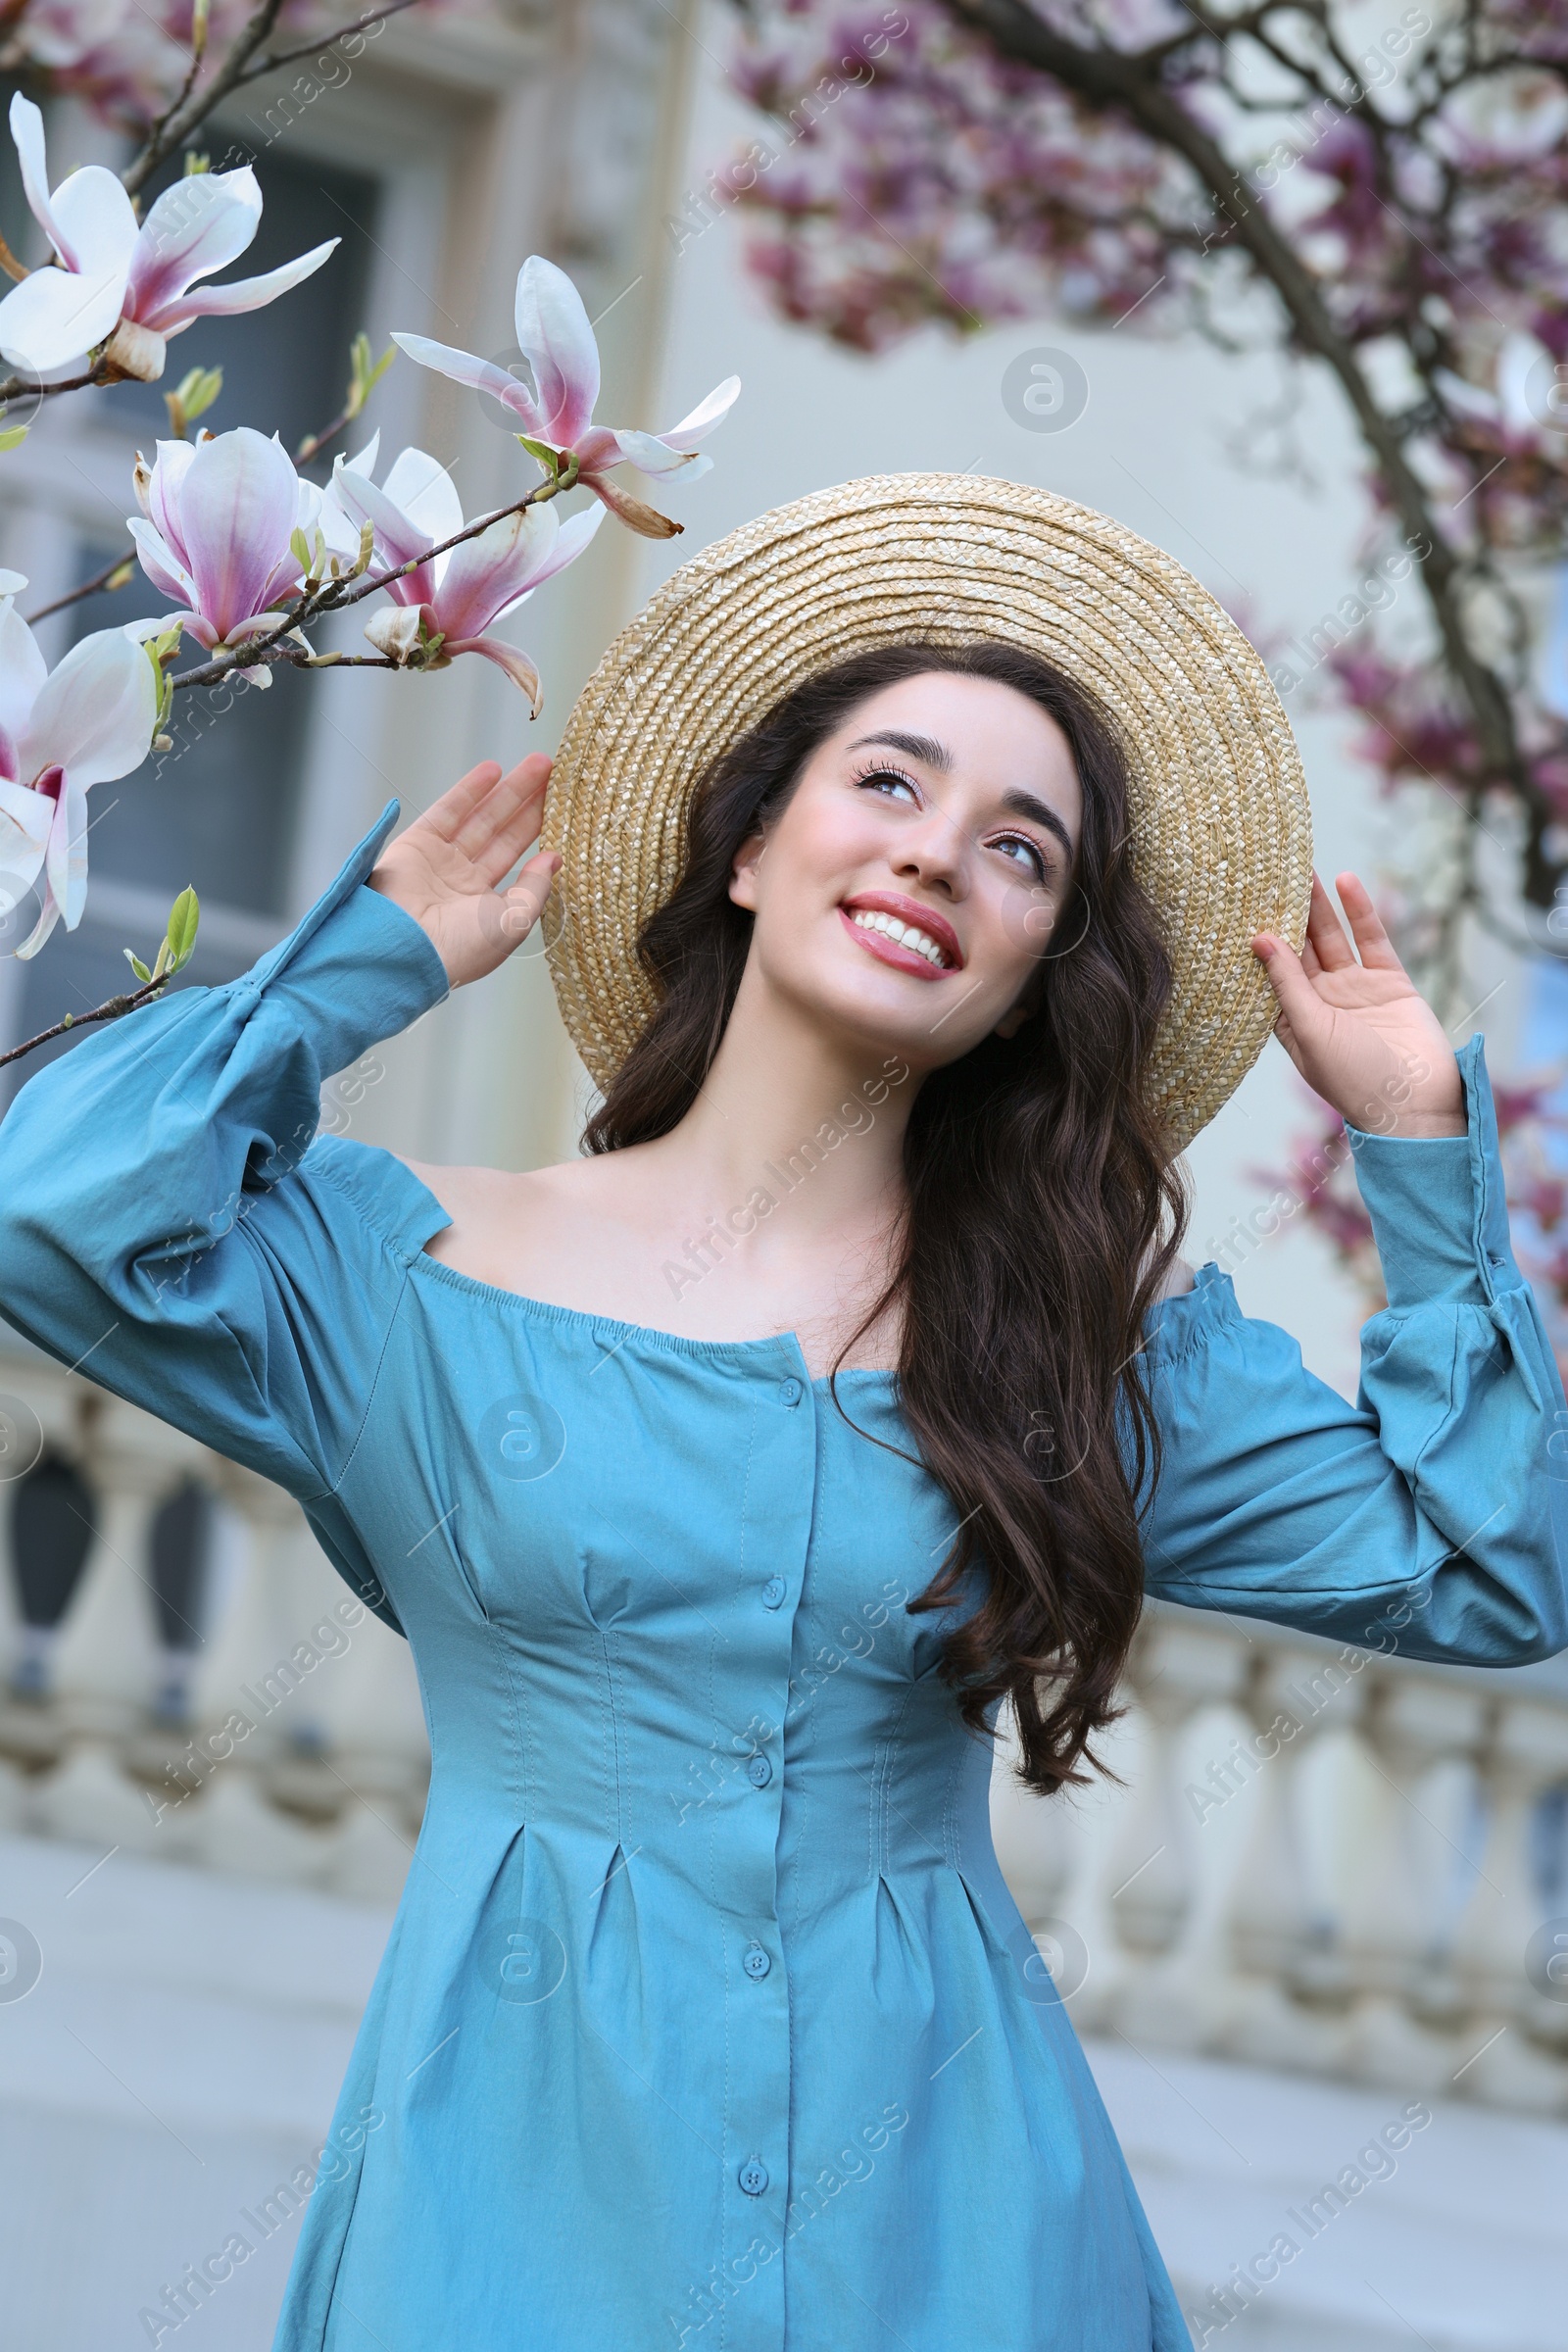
135, 351
395, 631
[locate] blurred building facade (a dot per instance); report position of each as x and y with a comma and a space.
1268, 1963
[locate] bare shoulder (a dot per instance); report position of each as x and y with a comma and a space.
491, 1206
482, 1193
454, 1185
1178, 1280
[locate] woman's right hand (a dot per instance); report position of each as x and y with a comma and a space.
444, 869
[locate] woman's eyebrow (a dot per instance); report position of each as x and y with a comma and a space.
1024, 803
934, 755
924, 747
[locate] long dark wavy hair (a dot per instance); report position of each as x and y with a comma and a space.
1041, 1216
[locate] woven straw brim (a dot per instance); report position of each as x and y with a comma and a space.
1222, 830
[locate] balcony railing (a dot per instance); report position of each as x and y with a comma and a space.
197, 1685
1319, 1859
1315, 1859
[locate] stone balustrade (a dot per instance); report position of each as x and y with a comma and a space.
1312, 1859
240, 1709
1318, 1859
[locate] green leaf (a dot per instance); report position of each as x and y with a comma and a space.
192, 397
183, 917
136, 964
549, 459
158, 651
198, 390
365, 373
300, 549
195, 163
12, 437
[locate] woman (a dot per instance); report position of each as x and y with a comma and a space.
726, 1479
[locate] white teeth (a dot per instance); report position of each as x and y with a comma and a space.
871, 919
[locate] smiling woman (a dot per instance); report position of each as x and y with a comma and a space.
956, 840
975, 798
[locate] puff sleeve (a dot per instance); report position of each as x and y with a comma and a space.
1430, 1517
169, 1226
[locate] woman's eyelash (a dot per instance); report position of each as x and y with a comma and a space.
1025, 841
883, 772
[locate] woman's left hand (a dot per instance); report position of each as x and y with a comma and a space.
1358, 1032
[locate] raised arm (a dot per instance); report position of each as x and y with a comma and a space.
167, 1224
1431, 1517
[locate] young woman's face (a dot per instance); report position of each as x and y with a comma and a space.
915, 881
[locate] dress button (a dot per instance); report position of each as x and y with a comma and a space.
756, 1962
759, 1772
773, 1591
754, 2175
791, 1391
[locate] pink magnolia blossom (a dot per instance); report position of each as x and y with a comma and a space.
214, 533
555, 339
448, 605
59, 34
123, 286
88, 722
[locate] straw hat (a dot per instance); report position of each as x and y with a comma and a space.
1223, 835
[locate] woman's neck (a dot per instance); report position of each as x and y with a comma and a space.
786, 1104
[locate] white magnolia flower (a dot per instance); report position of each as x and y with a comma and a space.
449, 605
86, 723
125, 286
217, 534
555, 338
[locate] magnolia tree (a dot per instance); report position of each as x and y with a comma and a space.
1381, 197
1378, 195
247, 552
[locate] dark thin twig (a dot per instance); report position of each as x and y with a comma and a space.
101, 580
313, 443
15, 385
176, 126
264, 66
180, 96
110, 1010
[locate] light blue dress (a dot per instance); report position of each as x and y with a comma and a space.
707, 2019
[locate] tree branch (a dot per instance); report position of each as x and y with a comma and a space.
15, 385
110, 1010
261, 67
1107, 78
114, 575
168, 133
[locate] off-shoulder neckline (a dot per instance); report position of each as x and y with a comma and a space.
1173, 1327
411, 1232
784, 1345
